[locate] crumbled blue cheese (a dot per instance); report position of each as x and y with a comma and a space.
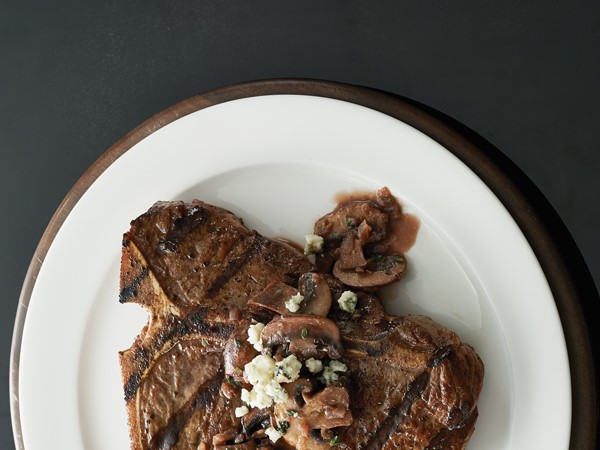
274, 390
314, 365
265, 375
330, 372
257, 397
329, 376
254, 332
241, 411
314, 244
273, 434
337, 366
288, 369
293, 304
347, 301
260, 370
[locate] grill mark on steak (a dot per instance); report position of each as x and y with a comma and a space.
169, 435
233, 266
132, 385
192, 325
182, 227
439, 355
130, 291
396, 416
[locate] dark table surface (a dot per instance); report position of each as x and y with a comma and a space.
76, 76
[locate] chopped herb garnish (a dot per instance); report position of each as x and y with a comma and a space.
378, 258
291, 412
204, 342
334, 441
283, 426
304, 333
237, 343
388, 272
233, 383
398, 259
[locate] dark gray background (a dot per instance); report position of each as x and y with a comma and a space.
76, 76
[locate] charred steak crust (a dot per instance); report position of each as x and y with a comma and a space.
194, 266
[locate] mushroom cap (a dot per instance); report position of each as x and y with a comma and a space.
379, 272
307, 336
317, 295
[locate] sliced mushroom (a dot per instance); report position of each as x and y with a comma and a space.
351, 250
309, 415
238, 352
273, 297
331, 252
306, 336
379, 271
329, 408
298, 432
314, 289
221, 439
316, 292
290, 409
365, 225
255, 420
230, 388
348, 216
298, 390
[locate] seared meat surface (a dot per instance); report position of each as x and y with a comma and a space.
204, 279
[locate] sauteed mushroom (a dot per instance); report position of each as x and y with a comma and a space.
255, 420
273, 297
238, 352
329, 408
312, 286
359, 237
306, 336
338, 223
379, 271
316, 292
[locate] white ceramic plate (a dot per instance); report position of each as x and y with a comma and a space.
277, 161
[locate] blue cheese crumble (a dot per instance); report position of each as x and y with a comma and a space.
347, 301
266, 376
254, 332
288, 369
314, 244
330, 372
273, 434
293, 304
241, 411
314, 365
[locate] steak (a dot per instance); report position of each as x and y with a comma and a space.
205, 278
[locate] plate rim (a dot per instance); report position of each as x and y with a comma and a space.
561, 261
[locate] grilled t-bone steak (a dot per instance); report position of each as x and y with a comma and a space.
357, 378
